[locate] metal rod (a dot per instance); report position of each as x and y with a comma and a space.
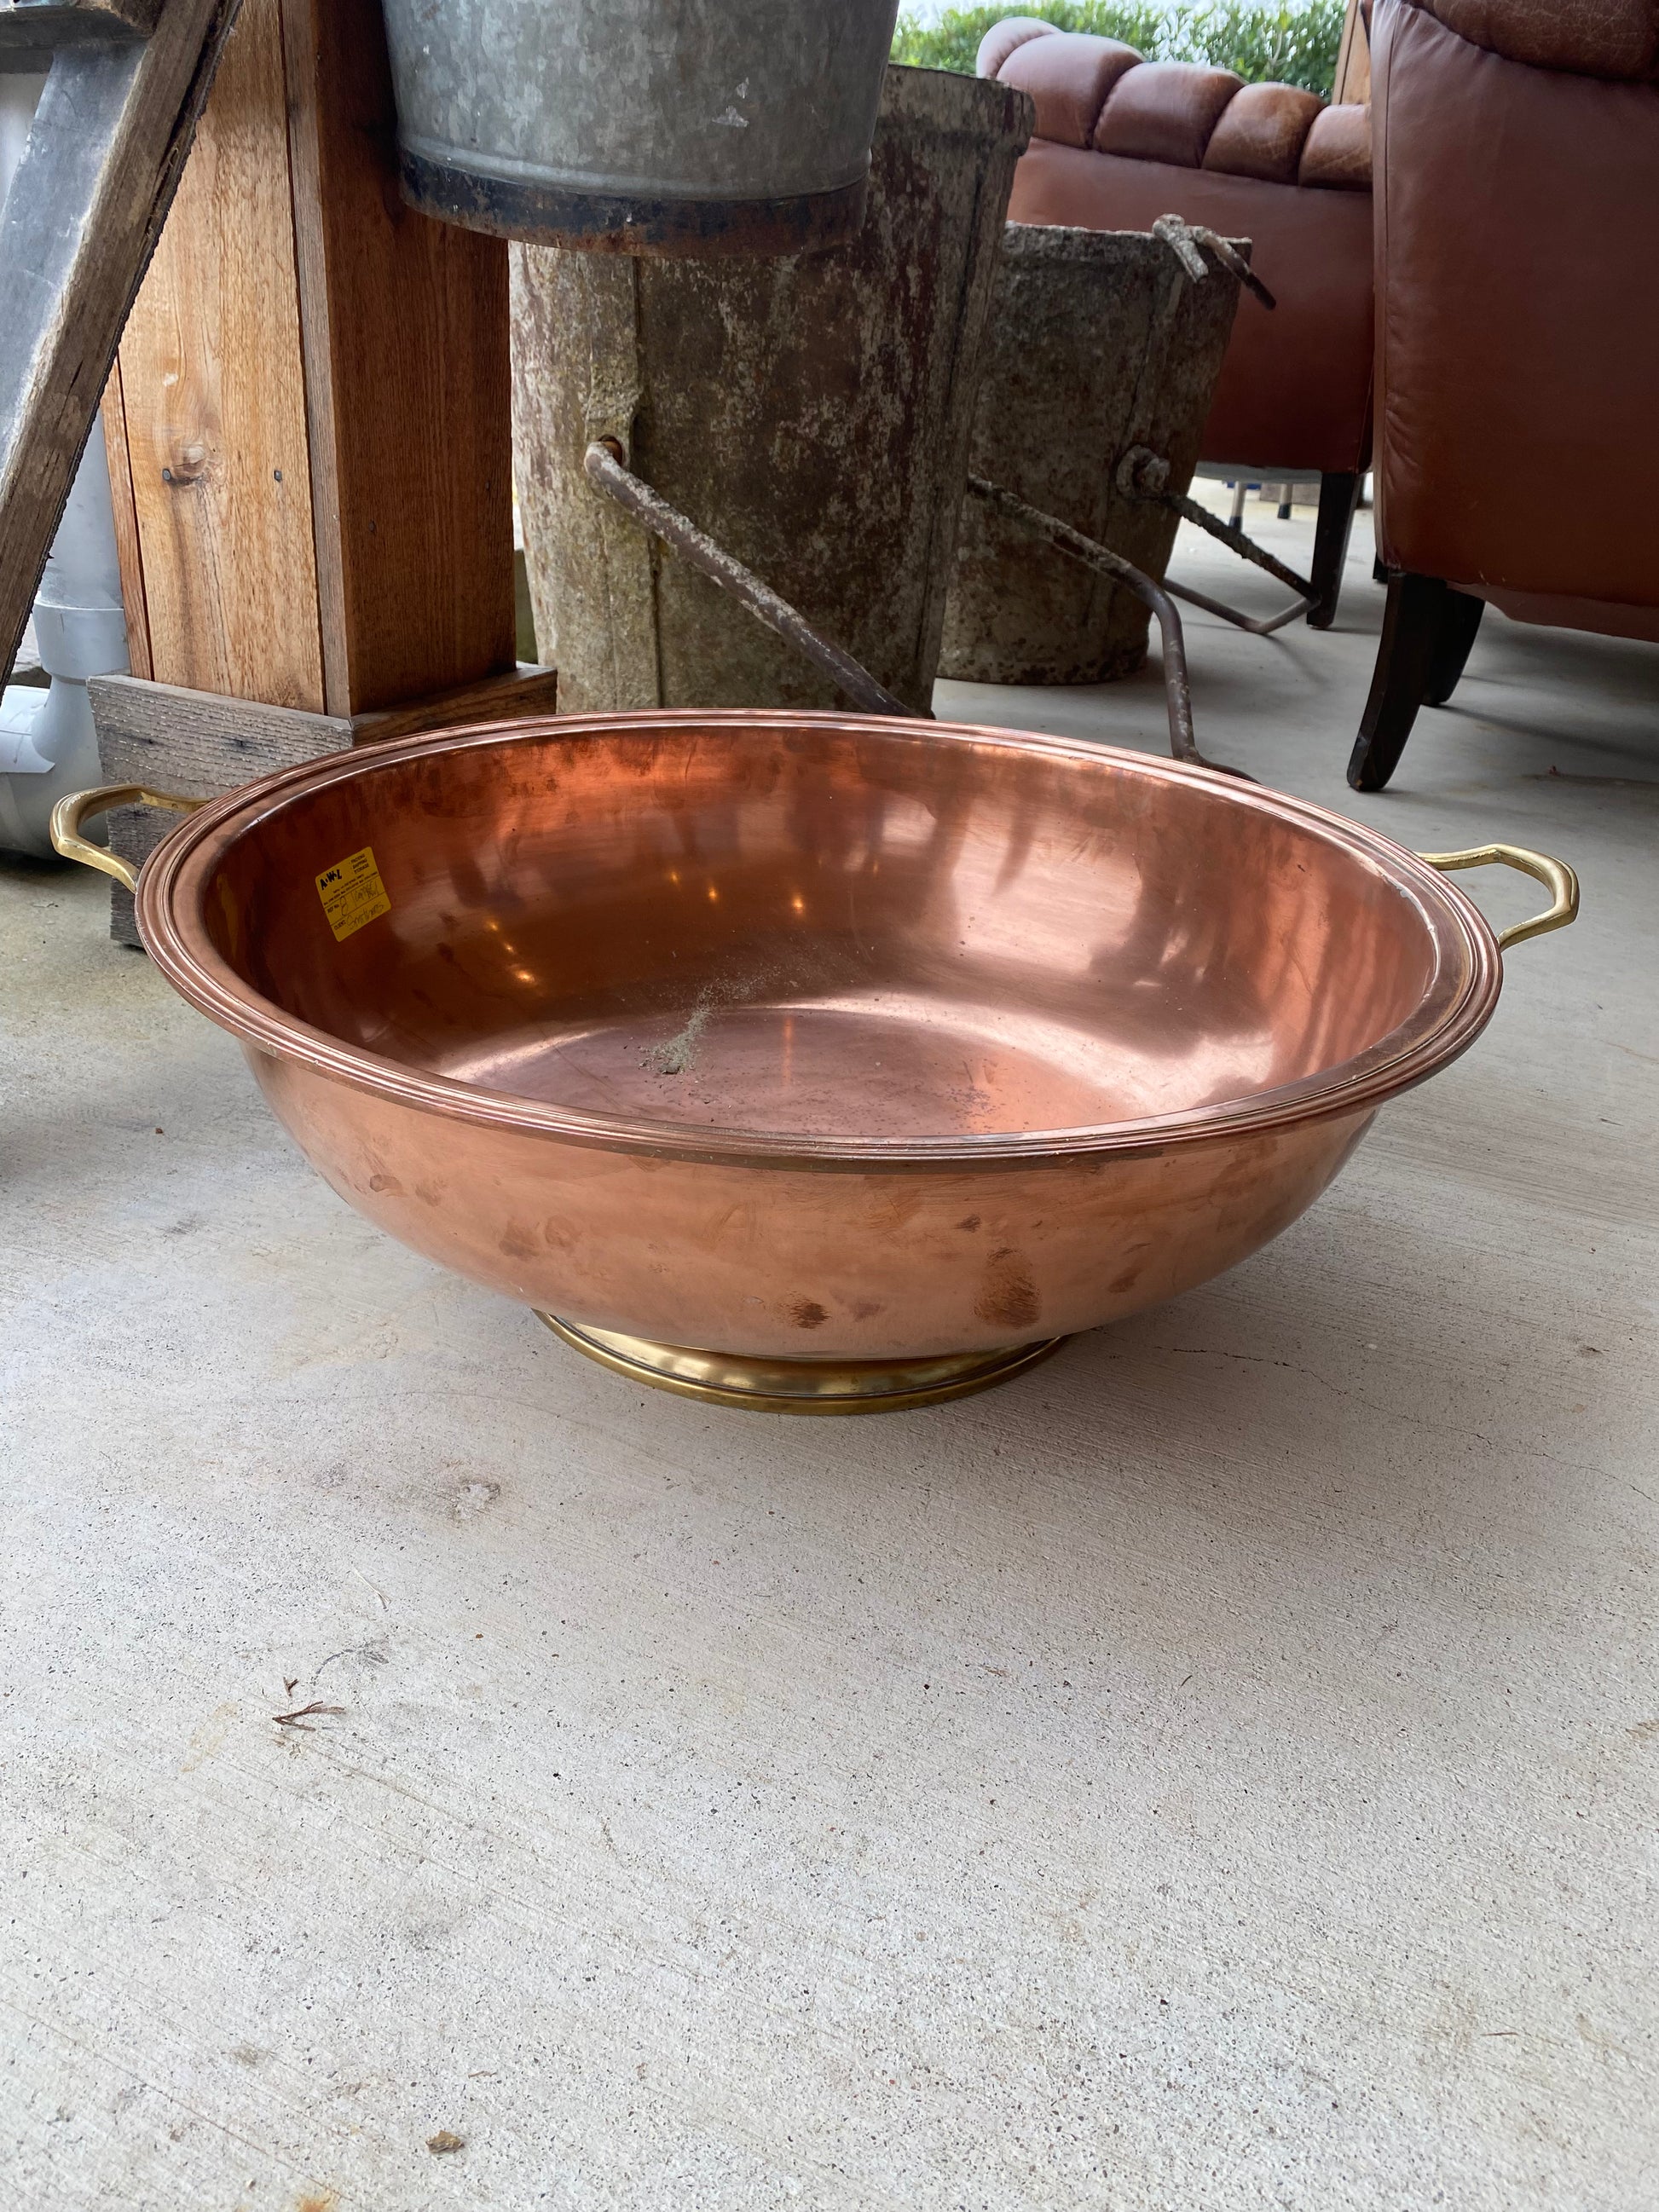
605, 469
1142, 474
1185, 238
1177, 691
1233, 538
1264, 627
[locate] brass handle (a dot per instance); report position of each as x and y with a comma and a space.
71, 811
1555, 875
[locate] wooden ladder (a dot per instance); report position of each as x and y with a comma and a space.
125, 81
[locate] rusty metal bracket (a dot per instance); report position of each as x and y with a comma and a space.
1177, 690
1142, 474
1184, 240
603, 467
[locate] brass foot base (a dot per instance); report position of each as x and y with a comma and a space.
800, 1386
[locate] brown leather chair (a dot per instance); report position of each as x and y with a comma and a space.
1121, 141
1517, 238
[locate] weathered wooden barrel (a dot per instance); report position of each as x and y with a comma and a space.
811, 414
710, 127
1099, 342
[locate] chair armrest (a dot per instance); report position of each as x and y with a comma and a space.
1617, 38
1517, 214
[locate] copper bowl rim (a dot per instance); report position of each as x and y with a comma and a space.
1447, 1019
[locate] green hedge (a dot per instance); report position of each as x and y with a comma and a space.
1286, 44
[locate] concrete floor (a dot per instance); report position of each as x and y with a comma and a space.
1216, 1771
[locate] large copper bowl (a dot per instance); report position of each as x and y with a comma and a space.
814, 1059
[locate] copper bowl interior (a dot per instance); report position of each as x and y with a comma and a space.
829, 930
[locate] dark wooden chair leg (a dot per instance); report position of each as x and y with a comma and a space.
1460, 620
1412, 625
1339, 496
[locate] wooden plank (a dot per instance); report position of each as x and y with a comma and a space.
405, 333
214, 389
80, 222
197, 743
1353, 83
528, 690
304, 95
201, 744
41, 25
128, 550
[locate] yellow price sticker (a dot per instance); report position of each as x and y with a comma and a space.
352, 893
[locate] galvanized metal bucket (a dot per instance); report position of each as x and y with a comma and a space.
810, 414
704, 127
1100, 343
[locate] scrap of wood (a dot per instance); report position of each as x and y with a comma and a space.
202, 745
526, 689
194, 742
35, 27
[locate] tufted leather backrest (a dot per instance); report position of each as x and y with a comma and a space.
1099, 94
1069, 75
1165, 112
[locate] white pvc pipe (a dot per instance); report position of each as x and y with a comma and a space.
47, 743
18, 97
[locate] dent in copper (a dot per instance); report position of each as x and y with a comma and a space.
818, 1037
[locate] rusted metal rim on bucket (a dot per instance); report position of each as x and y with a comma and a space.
173, 890
799, 1386
610, 222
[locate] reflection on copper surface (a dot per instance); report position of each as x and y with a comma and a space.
818, 1037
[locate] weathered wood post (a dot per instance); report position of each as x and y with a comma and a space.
811, 414
1099, 342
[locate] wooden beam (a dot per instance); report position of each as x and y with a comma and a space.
43, 25
526, 690
1353, 83
317, 397
196, 744
129, 550
213, 388
201, 744
79, 224
404, 325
